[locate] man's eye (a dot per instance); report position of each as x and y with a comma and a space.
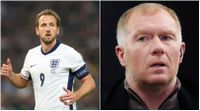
165, 37
143, 39
52, 24
43, 25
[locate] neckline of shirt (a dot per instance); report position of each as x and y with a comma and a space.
53, 49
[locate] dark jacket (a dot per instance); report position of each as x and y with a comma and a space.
117, 99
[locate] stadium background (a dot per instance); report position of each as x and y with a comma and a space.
79, 29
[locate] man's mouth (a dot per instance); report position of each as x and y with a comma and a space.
48, 34
158, 67
158, 64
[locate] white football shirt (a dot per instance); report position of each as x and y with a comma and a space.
52, 71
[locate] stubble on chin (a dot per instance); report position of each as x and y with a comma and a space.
47, 42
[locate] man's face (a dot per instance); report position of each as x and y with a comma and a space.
47, 29
151, 52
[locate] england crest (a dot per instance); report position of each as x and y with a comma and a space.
54, 63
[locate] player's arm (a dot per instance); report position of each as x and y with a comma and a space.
15, 79
87, 86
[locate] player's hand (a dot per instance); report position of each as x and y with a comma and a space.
69, 98
6, 69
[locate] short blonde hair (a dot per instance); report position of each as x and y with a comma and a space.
47, 12
145, 8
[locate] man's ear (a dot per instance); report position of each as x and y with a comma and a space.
36, 31
182, 51
119, 50
58, 31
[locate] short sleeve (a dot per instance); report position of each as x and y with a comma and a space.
78, 67
25, 72
82, 72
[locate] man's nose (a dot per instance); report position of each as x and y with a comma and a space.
157, 47
48, 28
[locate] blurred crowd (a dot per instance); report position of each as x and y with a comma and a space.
79, 29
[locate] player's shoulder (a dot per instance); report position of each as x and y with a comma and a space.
67, 48
69, 51
36, 49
